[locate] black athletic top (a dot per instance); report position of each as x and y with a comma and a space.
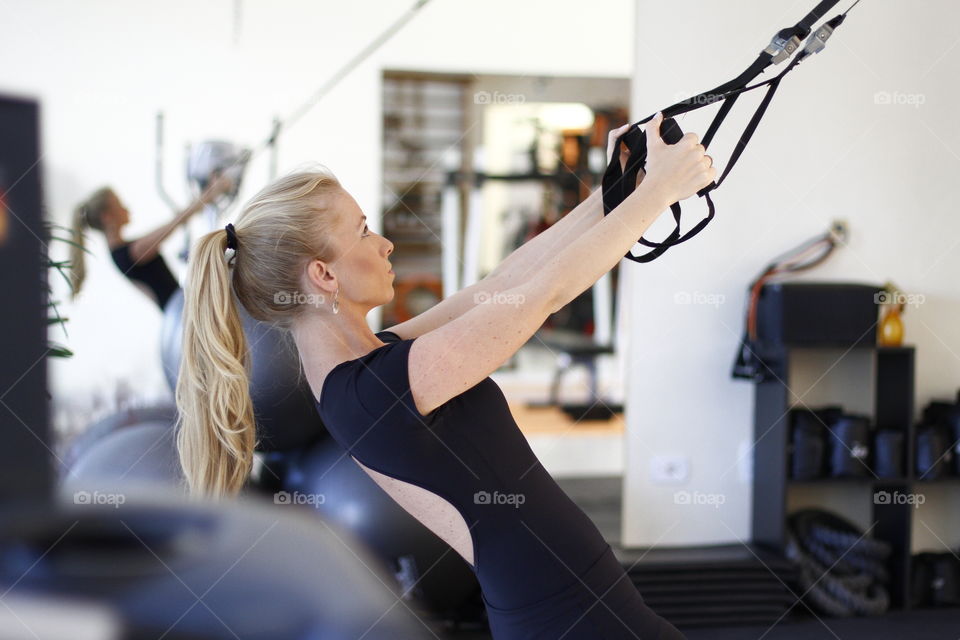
535, 551
154, 273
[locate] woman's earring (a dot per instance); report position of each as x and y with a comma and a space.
336, 304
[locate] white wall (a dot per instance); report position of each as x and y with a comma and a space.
824, 150
103, 69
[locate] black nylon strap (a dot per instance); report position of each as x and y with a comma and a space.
752, 125
718, 119
619, 183
801, 30
817, 14
661, 247
694, 231
716, 94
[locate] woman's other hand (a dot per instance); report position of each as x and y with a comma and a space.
624, 151
219, 185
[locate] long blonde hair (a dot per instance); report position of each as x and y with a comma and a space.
287, 224
86, 214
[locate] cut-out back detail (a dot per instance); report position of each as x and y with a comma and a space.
433, 511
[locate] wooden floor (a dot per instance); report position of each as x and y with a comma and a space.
553, 421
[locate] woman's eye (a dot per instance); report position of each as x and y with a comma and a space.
366, 230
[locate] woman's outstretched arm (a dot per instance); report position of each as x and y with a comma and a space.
145, 248
511, 272
486, 336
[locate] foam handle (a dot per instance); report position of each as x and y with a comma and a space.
619, 183
670, 131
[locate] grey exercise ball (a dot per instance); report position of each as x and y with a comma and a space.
283, 404
442, 580
139, 454
96, 431
158, 566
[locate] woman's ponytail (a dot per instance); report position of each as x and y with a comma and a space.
86, 214
78, 269
288, 223
216, 431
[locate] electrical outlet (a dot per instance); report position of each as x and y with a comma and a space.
669, 469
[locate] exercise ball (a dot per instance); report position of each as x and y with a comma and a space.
328, 480
159, 566
165, 414
283, 404
143, 453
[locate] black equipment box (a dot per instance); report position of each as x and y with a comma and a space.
818, 314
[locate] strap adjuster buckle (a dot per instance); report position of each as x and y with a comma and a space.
817, 40
782, 48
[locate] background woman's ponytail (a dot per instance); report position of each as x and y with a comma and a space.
86, 214
216, 431
78, 269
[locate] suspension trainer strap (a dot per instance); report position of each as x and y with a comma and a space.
619, 183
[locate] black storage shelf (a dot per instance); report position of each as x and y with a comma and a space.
893, 409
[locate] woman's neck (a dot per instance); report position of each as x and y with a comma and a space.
324, 342
114, 239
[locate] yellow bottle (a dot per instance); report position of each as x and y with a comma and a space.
890, 332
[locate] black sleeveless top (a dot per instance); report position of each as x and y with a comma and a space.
470, 452
154, 273
544, 568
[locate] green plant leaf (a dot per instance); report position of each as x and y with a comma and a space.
61, 266
58, 351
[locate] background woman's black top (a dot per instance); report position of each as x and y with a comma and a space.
154, 273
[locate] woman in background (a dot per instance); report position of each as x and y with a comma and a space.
139, 260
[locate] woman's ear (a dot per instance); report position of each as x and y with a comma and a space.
319, 277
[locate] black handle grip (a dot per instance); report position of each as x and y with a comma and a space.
670, 131
619, 183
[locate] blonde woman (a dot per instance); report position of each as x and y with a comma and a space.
140, 259
414, 406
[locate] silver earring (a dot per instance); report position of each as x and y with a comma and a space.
336, 304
